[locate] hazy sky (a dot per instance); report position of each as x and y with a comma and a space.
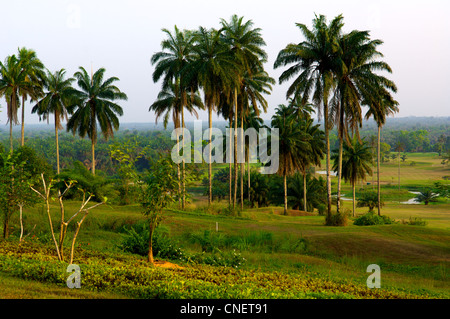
122, 36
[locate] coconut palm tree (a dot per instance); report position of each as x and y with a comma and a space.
213, 68
176, 54
60, 95
95, 103
356, 161
380, 106
293, 143
356, 82
245, 44
13, 83
34, 75
314, 63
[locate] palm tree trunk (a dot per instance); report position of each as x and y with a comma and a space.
10, 135
93, 157
229, 164
248, 174
339, 176
285, 193
57, 144
210, 155
399, 168
378, 170
327, 145
235, 148
354, 202
183, 179
23, 122
242, 163
304, 191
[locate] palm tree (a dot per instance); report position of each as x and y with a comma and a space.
253, 85
356, 82
293, 142
399, 146
356, 161
176, 55
380, 106
245, 45
317, 60
60, 95
251, 120
315, 153
33, 69
95, 103
427, 196
213, 69
13, 82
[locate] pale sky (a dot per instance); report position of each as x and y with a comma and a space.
121, 36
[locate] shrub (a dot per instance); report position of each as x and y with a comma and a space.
415, 221
372, 219
337, 219
136, 241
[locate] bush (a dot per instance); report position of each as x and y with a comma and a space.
415, 221
137, 237
337, 219
372, 219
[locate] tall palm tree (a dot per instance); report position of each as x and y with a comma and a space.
95, 103
251, 120
380, 106
315, 153
60, 95
177, 52
316, 60
246, 46
356, 83
253, 85
293, 142
34, 75
12, 79
356, 161
213, 68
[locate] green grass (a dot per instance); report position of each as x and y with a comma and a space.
414, 260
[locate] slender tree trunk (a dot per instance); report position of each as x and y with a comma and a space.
21, 222
328, 160
22, 143
339, 176
235, 148
399, 169
57, 144
378, 170
183, 179
242, 163
10, 136
177, 125
150, 246
354, 198
93, 157
229, 164
304, 191
285, 193
248, 174
210, 155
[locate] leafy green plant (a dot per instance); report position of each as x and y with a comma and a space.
372, 219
